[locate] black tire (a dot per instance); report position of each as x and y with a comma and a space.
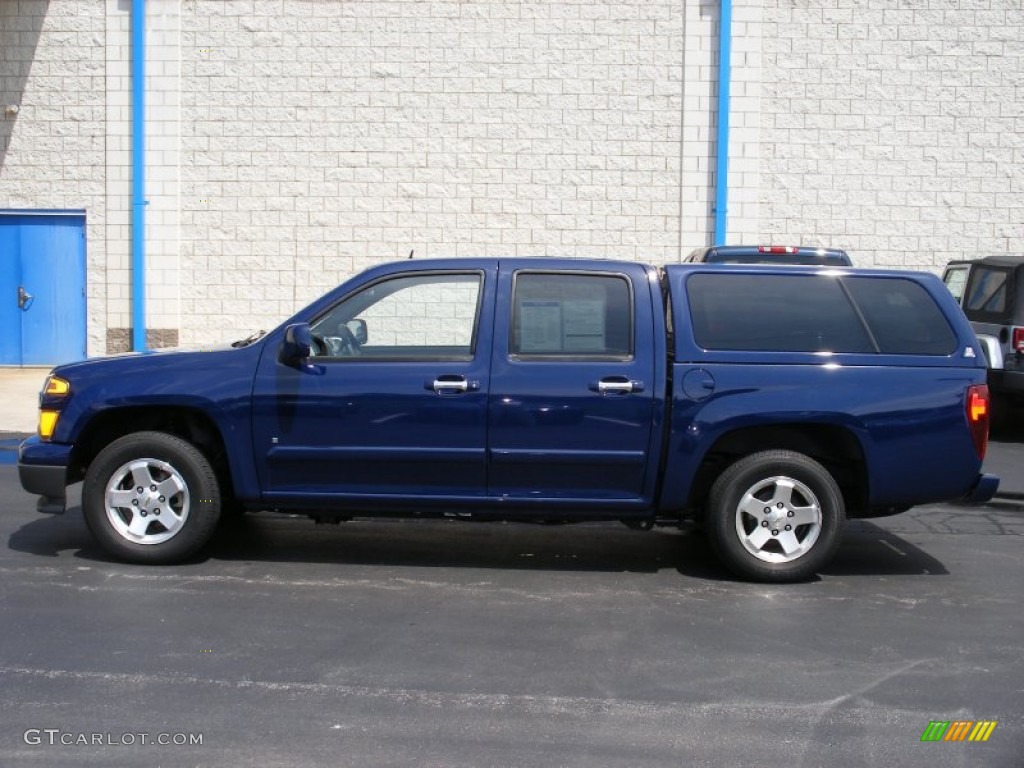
795, 503
163, 519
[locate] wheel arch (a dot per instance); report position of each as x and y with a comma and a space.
190, 424
835, 447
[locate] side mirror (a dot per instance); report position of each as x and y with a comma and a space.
358, 328
297, 345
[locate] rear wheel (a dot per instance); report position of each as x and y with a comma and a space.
151, 497
775, 516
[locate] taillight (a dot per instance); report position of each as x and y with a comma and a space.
978, 407
1018, 339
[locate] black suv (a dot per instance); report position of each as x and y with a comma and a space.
770, 254
989, 290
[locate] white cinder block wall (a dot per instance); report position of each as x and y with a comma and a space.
292, 143
894, 129
321, 137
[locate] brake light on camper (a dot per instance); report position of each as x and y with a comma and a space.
777, 249
978, 410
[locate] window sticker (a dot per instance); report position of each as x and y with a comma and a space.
540, 326
583, 325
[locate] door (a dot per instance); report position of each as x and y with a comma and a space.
990, 303
573, 386
393, 404
42, 288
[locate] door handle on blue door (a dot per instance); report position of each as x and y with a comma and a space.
452, 383
24, 298
618, 386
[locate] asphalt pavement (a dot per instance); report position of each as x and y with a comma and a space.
444, 643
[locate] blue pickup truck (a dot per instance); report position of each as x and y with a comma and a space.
768, 403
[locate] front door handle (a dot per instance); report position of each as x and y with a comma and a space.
451, 383
450, 386
622, 387
24, 298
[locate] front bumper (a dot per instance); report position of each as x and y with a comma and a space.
43, 470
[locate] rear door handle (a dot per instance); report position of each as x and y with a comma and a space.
24, 298
618, 386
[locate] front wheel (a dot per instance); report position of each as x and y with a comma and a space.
151, 497
775, 516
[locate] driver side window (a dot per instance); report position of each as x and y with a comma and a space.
414, 317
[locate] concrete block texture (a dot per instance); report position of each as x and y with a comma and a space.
900, 120
368, 130
292, 143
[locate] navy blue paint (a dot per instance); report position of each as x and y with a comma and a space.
550, 435
335, 421
358, 427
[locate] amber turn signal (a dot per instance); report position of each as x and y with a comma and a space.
47, 423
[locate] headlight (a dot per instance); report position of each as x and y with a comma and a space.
56, 387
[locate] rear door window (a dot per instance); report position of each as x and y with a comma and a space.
571, 315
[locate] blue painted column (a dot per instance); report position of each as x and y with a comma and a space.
722, 139
139, 202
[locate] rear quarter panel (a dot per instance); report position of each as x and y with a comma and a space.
907, 412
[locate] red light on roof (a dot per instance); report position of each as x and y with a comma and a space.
777, 249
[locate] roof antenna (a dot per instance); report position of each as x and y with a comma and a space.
412, 252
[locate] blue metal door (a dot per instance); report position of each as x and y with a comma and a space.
399, 414
574, 386
42, 288
10, 279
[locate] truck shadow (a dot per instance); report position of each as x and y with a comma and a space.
867, 550
608, 547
